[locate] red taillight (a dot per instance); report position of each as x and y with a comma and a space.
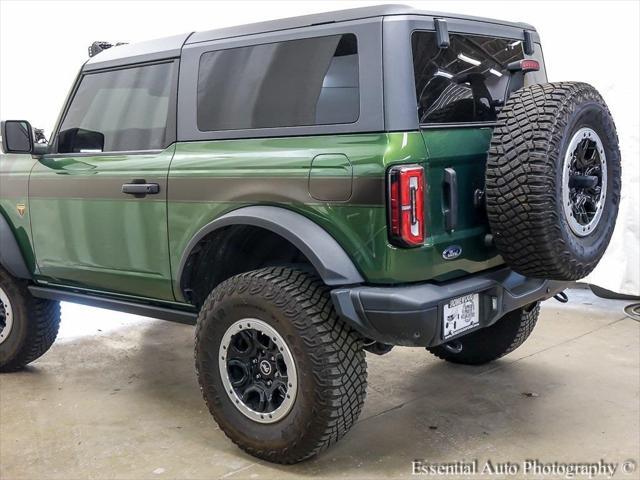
529, 65
524, 66
406, 205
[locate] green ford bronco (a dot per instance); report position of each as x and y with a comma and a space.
305, 190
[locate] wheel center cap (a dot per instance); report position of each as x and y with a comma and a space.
265, 367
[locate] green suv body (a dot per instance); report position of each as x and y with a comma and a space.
192, 176
90, 235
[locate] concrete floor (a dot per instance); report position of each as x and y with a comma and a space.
116, 397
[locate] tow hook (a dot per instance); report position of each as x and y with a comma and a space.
561, 297
454, 346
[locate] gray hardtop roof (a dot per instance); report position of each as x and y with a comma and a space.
333, 17
171, 46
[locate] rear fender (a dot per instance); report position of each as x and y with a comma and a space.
325, 254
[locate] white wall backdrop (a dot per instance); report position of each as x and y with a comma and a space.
44, 43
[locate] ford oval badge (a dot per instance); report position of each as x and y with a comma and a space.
451, 252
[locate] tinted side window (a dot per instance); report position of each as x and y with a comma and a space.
120, 110
311, 81
465, 82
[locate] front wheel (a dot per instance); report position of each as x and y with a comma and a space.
283, 377
491, 343
28, 325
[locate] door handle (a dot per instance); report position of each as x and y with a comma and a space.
450, 194
139, 188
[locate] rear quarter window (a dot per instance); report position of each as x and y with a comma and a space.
312, 81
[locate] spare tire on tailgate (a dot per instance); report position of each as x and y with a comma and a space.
553, 180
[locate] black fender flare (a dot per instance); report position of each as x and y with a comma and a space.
325, 254
11, 257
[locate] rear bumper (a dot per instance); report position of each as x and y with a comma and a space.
412, 315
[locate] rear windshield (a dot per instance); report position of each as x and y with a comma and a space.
468, 81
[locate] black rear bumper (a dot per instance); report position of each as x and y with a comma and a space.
411, 315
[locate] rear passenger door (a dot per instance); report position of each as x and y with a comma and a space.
98, 203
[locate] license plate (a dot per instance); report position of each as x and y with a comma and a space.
460, 314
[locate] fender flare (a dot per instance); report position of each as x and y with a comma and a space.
325, 254
11, 257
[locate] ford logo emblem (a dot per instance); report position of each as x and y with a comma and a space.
451, 252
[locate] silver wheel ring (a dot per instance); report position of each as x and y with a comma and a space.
5, 307
287, 404
576, 227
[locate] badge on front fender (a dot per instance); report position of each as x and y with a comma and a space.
451, 252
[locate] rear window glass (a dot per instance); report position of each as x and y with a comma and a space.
312, 81
466, 82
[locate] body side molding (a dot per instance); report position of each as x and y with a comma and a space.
325, 254
11, 257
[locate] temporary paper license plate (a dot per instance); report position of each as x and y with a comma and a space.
460, 314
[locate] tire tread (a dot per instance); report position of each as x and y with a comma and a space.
521, 185
43, 317
339, 365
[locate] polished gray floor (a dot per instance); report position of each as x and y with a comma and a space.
116, 397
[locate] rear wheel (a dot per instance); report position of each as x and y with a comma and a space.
283, 377
491, 343
28, 325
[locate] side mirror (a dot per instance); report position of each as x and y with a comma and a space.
17, 136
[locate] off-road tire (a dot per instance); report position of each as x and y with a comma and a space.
524, 180
35, 325
491, 343
329, 358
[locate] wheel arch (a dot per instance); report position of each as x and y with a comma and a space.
11, 257
324, 253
